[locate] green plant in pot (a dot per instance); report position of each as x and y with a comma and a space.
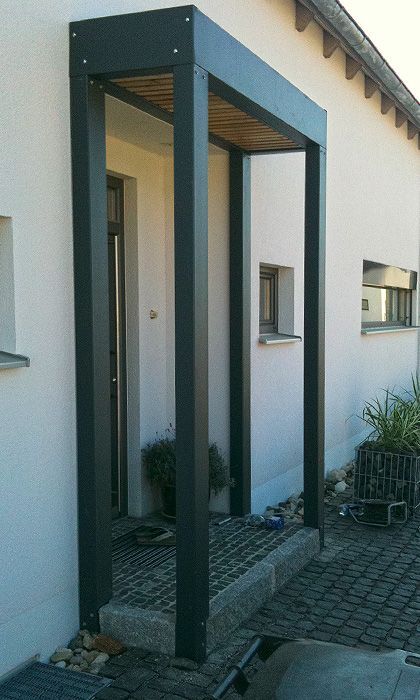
388, 461
159, 460
395, 422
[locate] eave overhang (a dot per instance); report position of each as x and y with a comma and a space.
148, 45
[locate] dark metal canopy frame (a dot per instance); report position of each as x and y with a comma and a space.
203, 60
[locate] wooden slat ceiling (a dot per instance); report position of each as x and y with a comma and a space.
225, 121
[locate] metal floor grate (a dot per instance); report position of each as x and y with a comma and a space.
44, 682
126, 550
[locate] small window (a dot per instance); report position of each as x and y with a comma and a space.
269, 283
7, 286
387, 295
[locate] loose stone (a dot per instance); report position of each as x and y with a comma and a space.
88, 642
109, 645
76, 659
62, 654
76, 643
102, 658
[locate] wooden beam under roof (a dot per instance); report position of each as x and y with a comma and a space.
306, 11
330, 44
400, 118
412, 130
352, 67
386, 103
303, 17
370, 87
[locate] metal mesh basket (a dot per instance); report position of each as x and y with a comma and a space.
387, 476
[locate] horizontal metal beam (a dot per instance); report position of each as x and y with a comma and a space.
271, 152
254, 86
129, 42
161, 39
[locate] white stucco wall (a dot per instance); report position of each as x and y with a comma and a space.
373, 213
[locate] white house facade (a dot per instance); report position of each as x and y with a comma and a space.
371, 336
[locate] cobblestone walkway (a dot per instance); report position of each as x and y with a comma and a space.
363, 589
233, 550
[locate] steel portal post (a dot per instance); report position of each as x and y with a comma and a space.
314, 337
240, 330
92, 346
191, 358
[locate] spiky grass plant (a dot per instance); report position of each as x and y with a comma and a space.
395, 421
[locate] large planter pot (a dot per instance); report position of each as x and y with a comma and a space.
387, 475
168, 501
168, 494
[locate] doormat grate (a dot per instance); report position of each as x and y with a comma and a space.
126, 550
44, 682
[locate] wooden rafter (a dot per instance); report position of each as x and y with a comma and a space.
400, 118
412, 130
303, 17
225, 121
352, 67
386, 103
330, 43
370, 87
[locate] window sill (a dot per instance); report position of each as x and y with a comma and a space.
387, 329
9, 360
278, 338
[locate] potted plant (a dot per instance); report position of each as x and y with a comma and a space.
159, 460
388, 461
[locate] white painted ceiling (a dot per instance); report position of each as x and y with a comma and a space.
129, 124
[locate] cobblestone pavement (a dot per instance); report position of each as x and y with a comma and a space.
233, 550
362, 590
